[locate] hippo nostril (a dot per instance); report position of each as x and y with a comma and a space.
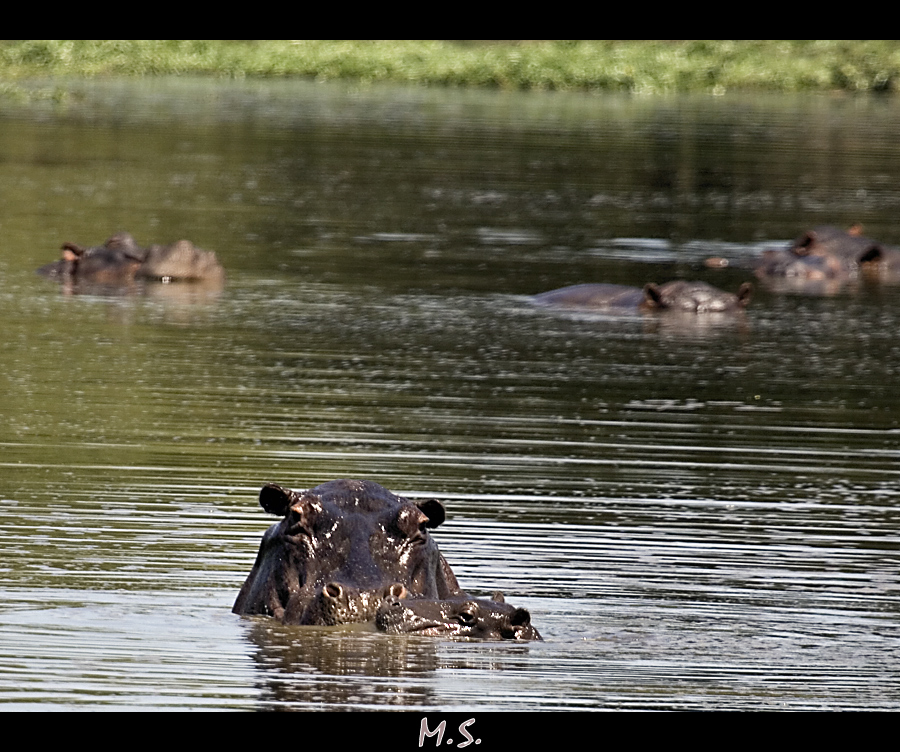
333, 590
397, 590
467, 618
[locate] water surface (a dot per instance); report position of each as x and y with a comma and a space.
698, 514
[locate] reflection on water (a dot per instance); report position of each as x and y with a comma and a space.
312, 668
698, 513
175, 293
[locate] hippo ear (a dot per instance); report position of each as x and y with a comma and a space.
498, 597
433, 510
872, 253
123, 241
71, 248
745, 291
520, 618
275, 499
802, 244
653, 294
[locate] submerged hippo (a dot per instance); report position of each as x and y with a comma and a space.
694, 297
850, 251
476, 618
342, 548
777, 264
822, 254
851, 246
121, 261
824, 259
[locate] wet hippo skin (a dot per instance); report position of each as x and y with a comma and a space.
121, 261
679, 295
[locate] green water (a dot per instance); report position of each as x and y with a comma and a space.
697, 514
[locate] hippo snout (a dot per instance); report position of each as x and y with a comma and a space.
463, 617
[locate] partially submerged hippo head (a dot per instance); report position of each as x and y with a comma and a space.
340, 550
695, 297
850, 246
823, 260
788, 265
115, 262
120, 261
461, 617
849, 254
181, 261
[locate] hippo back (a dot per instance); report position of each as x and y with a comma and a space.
696, 297
595, 297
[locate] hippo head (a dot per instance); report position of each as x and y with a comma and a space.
695, 297
786, 264
461, 617
183, 261
114, 262
120, 261
848, 247
340, 549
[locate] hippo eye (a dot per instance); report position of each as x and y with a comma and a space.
397, 590
298, 522
413, 524
467, 618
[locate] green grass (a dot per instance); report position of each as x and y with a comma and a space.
649, 67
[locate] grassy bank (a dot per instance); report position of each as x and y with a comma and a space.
638, 66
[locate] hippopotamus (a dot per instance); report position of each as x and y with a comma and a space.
850, 246
850, 251
337, 603
824, 259
121, 261
679, 295
477, 618
341, 549
789, 265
